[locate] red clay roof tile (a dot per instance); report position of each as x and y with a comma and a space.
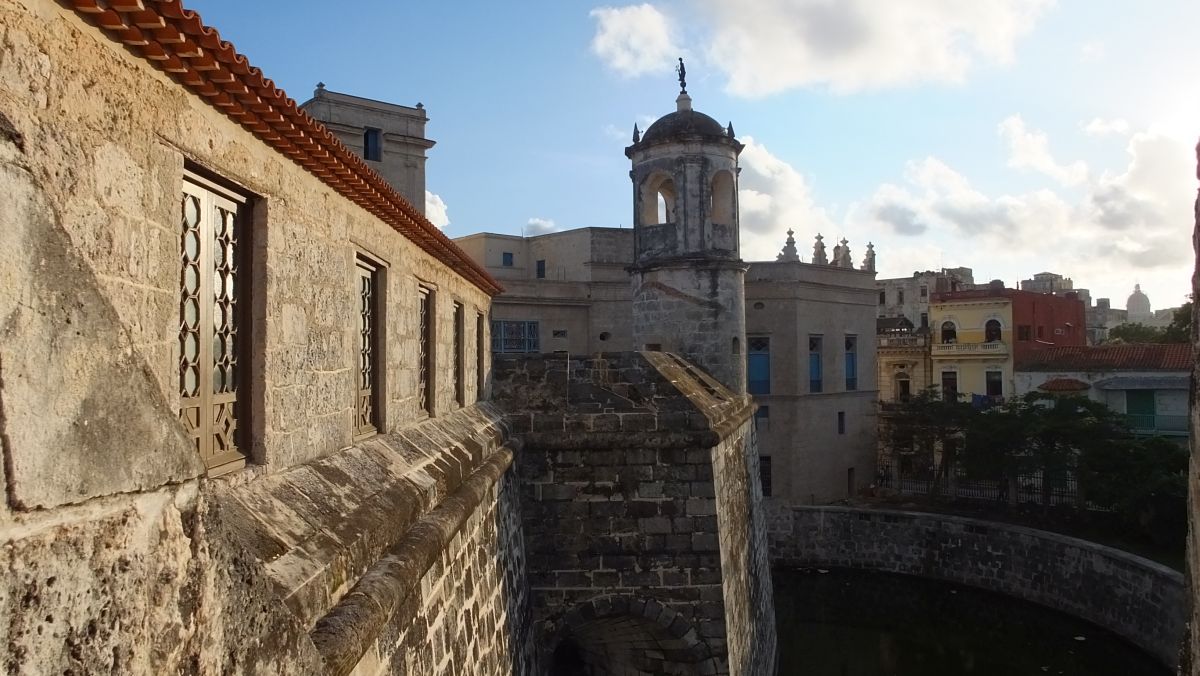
1131, 357
175, 40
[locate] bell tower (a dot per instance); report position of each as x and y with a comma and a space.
688, 277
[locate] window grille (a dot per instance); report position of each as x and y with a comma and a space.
460, 384
514, 336
210, 312
366, 409
425, 353
764, 474
480, 364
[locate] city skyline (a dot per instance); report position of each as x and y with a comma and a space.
945, 137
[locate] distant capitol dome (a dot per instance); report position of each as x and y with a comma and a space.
1138, 304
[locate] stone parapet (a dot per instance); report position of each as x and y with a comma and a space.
640, 500
1137, 599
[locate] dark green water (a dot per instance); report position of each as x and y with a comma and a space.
851, 623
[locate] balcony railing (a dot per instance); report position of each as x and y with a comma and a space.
1158, 424
886, 340
994, 348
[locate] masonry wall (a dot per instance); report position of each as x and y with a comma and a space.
697, 312
643, 519
1139, 600
124, 556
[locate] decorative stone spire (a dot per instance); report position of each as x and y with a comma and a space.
637, 134
789, 249
841, 255
729, 130
869, 260
819, 257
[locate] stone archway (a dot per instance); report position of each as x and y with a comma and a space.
623, 636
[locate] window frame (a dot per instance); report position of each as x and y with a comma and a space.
851, 362
816, 369
373, 144
426, 348
758, 356
529, 339
232, 408
540, 269
460, 356
371, 347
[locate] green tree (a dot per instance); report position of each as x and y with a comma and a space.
1178, 331
1144, 481
1180, 328
1135, 332
928, 428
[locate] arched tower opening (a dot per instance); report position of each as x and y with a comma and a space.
722, 198
657, 199
611, 637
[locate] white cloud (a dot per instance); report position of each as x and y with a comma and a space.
1031, 150
436, 210
612, 132
539, 226
1101, 127
767, 46
634, 40
1130, 225
773, 196
1092, 51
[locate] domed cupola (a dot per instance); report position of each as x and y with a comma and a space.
688, 275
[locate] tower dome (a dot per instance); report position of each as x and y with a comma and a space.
1138, 305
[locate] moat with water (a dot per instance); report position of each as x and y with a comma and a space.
853, 623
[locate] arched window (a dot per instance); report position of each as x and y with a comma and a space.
949, 333
991, 331
721, 198
658, 200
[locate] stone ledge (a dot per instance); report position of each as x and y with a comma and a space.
318, 527
345, 634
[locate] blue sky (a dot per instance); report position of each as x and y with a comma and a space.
1010, 136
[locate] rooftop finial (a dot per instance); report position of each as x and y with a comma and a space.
637, 134
789, 249
682, 72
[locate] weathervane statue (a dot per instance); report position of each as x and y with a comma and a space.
682, 76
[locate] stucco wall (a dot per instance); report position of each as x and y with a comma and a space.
1135, 598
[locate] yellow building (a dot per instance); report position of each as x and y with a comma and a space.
972, 338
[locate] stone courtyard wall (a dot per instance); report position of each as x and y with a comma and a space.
1138, 599
121, 554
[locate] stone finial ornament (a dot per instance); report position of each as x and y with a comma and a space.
819, 257
637, 134
869, 260
729, 130
841, 255
788, 254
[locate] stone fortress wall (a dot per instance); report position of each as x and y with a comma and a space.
1137, 599
122, 556
642, 514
